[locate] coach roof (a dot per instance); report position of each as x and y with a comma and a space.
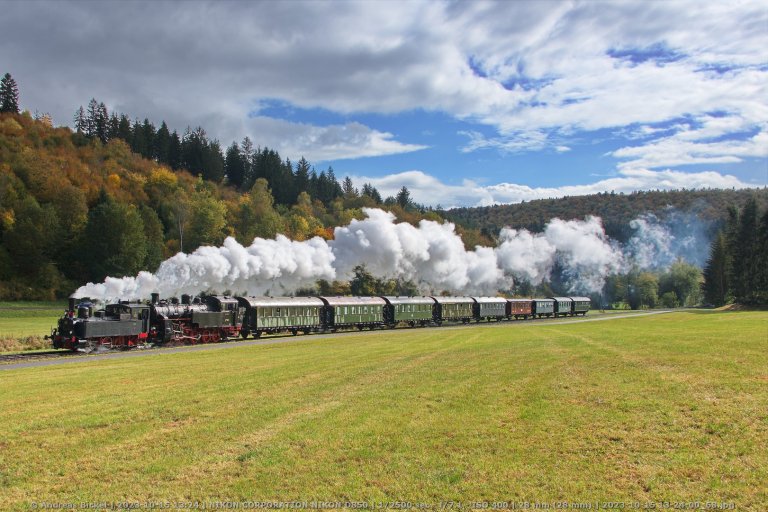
269, 302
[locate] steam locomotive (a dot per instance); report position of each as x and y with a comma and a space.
216, 318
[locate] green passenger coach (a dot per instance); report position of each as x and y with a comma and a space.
360, 312
581, 305
563, 306
455, 309
410, 311
271, 315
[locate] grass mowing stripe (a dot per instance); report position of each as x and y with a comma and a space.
655, 408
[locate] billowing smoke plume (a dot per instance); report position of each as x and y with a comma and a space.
658, 243
432, 255
279, 266
581, 248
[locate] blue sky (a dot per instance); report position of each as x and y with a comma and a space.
466, 103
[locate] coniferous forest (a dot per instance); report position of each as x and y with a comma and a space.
114, 196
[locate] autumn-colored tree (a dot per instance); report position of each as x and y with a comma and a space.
208, 218
255, 215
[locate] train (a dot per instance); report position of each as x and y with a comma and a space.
217, 318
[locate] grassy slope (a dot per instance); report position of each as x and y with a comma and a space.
665, 407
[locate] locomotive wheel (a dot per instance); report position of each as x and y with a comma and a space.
294, 331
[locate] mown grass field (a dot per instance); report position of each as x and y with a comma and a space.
29, 318
670, 407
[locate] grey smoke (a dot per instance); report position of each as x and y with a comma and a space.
658, 242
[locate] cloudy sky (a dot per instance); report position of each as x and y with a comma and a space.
466, 103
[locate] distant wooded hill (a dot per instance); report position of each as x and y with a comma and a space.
616, 210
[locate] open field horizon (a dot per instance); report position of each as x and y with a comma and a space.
662, 408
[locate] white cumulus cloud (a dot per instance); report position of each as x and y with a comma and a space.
431, 191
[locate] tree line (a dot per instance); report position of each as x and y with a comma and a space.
239, 166
737, 268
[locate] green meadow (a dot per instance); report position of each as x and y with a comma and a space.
653, 409
23, 324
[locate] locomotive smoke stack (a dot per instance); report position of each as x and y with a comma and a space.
155, 298
185, 299
71, 304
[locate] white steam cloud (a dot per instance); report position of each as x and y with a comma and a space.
279, 266
581, 248
431, 255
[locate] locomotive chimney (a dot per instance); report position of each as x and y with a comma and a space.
185, 299
71, 304
155, 298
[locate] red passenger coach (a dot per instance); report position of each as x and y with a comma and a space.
520, 308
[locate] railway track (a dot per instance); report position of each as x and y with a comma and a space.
36, 356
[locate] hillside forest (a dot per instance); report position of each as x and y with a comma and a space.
113, 197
